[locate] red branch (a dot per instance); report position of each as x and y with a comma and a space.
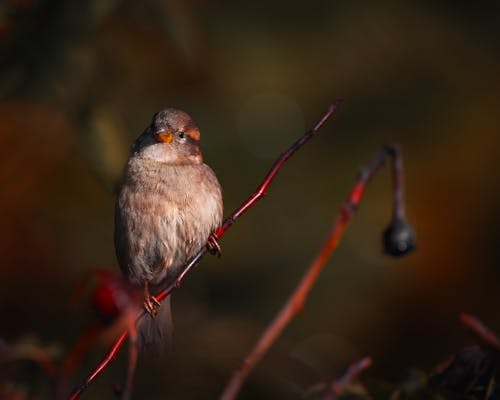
102, 365
486, 335
298, 297
228, 222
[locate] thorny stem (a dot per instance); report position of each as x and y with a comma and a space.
298, 297
228, 222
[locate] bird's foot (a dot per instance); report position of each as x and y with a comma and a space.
151, 304
213, 245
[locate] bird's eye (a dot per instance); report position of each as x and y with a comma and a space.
181, 135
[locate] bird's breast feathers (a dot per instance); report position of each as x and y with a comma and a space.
166, 215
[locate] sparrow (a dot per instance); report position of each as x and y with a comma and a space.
168, 205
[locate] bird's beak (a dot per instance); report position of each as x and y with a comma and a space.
164, 136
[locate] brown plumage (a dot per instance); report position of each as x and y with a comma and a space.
167, 206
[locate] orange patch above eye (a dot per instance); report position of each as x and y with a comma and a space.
164, 136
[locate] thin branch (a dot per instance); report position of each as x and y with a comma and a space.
102, 365
485, 334
398, 211
74, 357
260, 192
296, 300
350, 375
228, 222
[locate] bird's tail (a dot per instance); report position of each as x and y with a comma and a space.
155, 334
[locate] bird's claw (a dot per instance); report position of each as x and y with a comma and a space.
151, 304
213, 245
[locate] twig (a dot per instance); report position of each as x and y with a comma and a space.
486, 335
260, 192
228, 222
351, 374
102, 365
298, 297
74, 357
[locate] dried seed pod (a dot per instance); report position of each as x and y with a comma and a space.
399, 238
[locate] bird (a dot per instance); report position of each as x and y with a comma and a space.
168, 206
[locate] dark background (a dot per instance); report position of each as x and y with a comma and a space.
79, 80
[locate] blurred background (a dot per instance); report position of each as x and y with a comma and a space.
79, 80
